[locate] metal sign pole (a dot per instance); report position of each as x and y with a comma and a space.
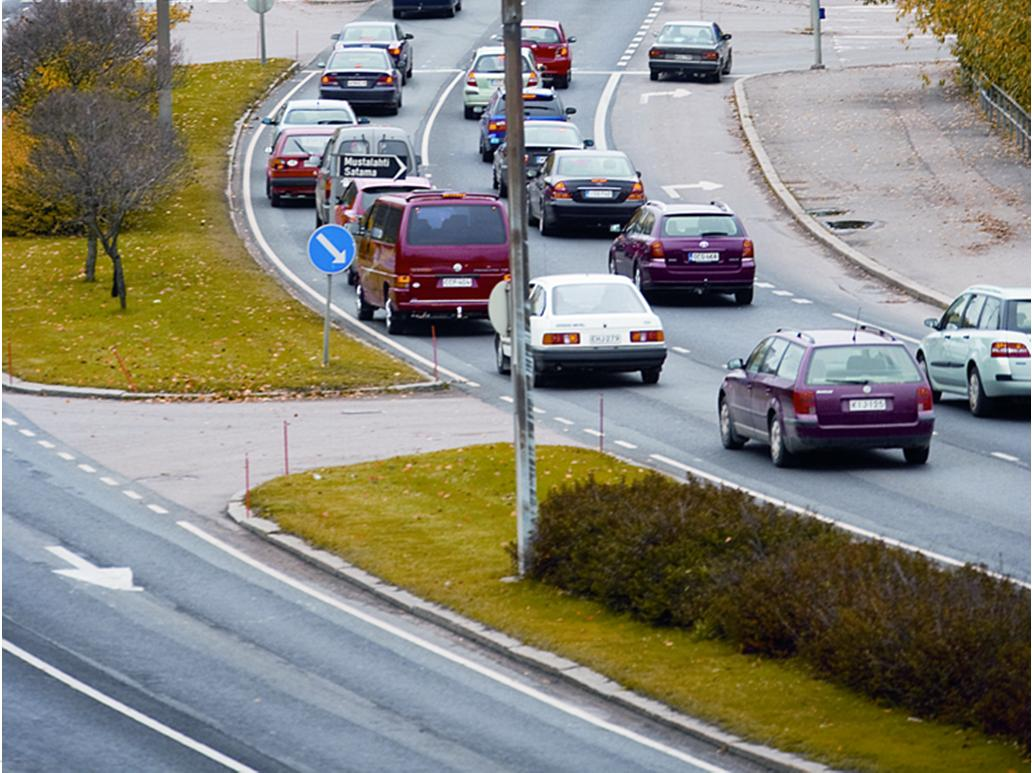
261, 32
522, 367
326, 323
815, 24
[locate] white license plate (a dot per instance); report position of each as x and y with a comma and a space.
457, 281
598, 194
683, 57
357, 84
703, 257
868, 405
613, 338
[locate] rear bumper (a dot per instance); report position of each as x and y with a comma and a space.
695, 65
614, 360
382, 97
566, 211
443, 309
809, 436
296, 186
702, 277
556, 67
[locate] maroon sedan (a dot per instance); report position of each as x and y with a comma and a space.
801, 391
551, 47
294, 162
696, 247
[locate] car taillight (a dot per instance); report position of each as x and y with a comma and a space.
328, 79
507, 278
496, 126
641, 336
656, 250
385, 80
656, 53
924, 398
710, 55
804, 401
637, 192
471, 79
532, 79
564, 51
394, 51
1008, 349
560, 338
278, 164
747, 248
558, 191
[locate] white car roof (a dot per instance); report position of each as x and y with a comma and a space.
500, 51
1009, 293
554, 280
315, 104
688, 23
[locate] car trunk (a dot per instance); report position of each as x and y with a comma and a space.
714, 253
858, 405
356, 79
599, 190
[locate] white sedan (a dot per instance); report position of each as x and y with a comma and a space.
594, 322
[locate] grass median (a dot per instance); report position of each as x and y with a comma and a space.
438, 525
202, 316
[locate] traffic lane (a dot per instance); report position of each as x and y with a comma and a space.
295, 676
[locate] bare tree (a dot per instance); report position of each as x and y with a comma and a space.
107, 157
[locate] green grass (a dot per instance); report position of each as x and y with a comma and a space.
202, 316
437, 524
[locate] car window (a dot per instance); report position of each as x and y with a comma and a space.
391, 225
789, 367
359, 59
496, 63
700, 225
371, 33
356, 147
631, 227
542, 108
648, 222
1017, 316
540, 34
954, 313
600, 298
398, 148
375, 220
537, 301
855, 364
303, 144
316, 116
595, 166
990, 319
772, 357
970, 316
753, 363
348, 197
550, 134
450, 224
684, 33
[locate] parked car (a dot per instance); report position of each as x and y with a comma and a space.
430, 254
691, 48
351, 145
380, 34
366, 77
589, 187
312, 112
409, 7
551, 47
589, 322
693, 247
539, 139
538, 105
487, 73
800, 391
294, 162
980, 346
358, 197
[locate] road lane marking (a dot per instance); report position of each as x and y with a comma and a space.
505, 398
86, 468
46, 444
801, 300
149, 722
784, 293
539, 410
424, 147
625, 444
460, 660
27, 432
1005, 457
131, 494
681, 350
66, 456
109, 481
855, 321
602, 111
10, 422
561, 420
158, 509
593, 432
764, 285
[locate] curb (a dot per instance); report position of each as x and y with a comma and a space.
811, 224
554, 665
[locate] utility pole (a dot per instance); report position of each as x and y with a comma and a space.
519, 266
815, 25
164, 64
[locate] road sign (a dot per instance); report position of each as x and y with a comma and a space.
499, 309
331, 248
260, 6
382, 167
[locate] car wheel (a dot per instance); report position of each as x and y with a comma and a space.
727, 65
352, 277
653, 75
318, 220
612, 265
450, 12
728, 437
275, 199
744, 297
409, 72
503, 363
458, 6
469, 112
716, 77
362, 309
531, 218
494, 178
978, 401
562, 81
779, 453
503, 189
486, 154
936, 394
398, 15
650, 375
639, 281
394, 319
546, 224
917, 455
540, 379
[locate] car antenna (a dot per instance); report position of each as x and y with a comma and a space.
856, 323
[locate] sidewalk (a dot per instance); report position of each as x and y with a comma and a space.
947, 200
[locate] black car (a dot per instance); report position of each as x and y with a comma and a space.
406, 7
589, 187
362, 76
691, 48
387, 35
540, 138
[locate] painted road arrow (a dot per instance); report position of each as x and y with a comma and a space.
113, 578
676, 94
702, 185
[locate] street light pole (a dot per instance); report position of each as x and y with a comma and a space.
164, 66
522, 367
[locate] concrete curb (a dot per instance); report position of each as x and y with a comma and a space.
854, 256
554, 665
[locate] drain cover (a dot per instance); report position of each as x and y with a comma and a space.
849, 225
826, 212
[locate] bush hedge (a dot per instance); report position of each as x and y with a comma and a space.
948, 644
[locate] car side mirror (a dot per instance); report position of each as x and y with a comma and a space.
735, 364
589, 143
571, 110
726, 36
335, 36
408, 36
571, 39
532, 173
269, 149
932, 322
638, 172
268, 121
616, 228
363, 120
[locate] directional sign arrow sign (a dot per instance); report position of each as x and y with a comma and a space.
382, 167
676, 94
114, 578
704, 185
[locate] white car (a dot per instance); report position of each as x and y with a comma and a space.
487, 72
594, 322
312, 112
980, 346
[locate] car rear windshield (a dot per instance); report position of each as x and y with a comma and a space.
686, 34
304, 144
595, 166
549, 134
1017, 316
372, 33
601, 298
541, 34
354, 59
855, 364
312, 116
700, 225
495, 63
542, 109
446, 224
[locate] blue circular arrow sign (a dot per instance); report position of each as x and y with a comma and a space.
331, 248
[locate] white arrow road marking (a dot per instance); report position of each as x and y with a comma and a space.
676, 94
703, 185
338, 256
113, 578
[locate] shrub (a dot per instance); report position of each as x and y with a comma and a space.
947, 644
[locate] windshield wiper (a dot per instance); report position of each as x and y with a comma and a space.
847, 380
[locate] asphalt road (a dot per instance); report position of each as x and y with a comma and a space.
970, 503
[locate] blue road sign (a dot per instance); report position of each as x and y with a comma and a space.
331, 248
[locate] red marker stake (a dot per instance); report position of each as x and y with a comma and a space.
433, 340
286, 455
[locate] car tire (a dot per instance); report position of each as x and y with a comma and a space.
639, 281
352, 277
503, 190
744, 297
546, 225
978, 402
531, 219
450, 13
398, 15
318, 220
728, 437
486, 154
716, 77
395, 320
612, 265
503, 363
494, 178
458, 7
362, 309
727, 65
275, 199
540, 379
469, 113
650, 375
936, 394
918, 455
410, 72
653, 75
561, 81
779, 453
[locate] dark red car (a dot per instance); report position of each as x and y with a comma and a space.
695, 247
294, 162
551, 47
801, 391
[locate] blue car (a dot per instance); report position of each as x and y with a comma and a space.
538, 105
447, 7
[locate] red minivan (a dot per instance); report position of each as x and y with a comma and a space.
432, 254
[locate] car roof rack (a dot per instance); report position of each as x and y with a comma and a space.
877, 331
720, 205
798, 334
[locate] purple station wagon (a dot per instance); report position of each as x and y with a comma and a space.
698, 247
799, 391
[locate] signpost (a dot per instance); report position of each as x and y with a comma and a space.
331, 249
380, 167
261, 7
816, 14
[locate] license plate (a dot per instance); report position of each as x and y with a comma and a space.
457, 281
312, 162
357, 84
703, 257
598, 194
683, 57
868, 405
613, 338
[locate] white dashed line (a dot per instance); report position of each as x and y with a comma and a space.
593, 432
784, 293
158, 509
131, 494
505, 398
855, 321
680, 350
764, 285
539, 410
801, 300
66, 456
27, 432
10, 422
45, 443
1005, 457
625, 444
86, 468
109, 481
561, 420
473, 384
